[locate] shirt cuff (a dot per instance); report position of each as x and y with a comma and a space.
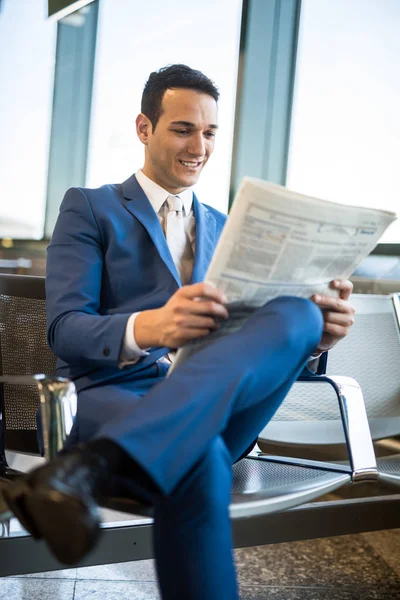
315, 356
130, 351
313, 362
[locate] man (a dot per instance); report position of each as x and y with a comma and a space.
116, 310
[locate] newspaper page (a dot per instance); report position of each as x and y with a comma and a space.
277, 242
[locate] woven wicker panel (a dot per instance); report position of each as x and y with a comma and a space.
24, 351
375, 366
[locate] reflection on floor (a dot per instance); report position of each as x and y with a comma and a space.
354, 567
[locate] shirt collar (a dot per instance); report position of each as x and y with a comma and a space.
157, 195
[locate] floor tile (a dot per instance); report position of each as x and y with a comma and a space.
306, 593
141, 570
356, 567
64, 574
344, 561
387, 544
36, 589
115, 590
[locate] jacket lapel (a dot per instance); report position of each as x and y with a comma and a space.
137, 203
205, 240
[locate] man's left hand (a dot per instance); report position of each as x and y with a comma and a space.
338, 314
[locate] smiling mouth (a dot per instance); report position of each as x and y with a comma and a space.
190, 163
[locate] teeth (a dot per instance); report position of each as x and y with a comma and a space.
189, 164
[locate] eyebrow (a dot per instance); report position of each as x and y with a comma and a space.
191, 125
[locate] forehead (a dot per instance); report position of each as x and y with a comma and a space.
189, 105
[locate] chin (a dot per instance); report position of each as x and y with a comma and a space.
192, 179
186, 183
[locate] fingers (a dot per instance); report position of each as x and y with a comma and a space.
201, 299
338, 305
201, 307
344, 319
338, 314
338, 324
190, 321
199, 290
344, 286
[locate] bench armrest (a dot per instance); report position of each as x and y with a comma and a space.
355, 424
58, 406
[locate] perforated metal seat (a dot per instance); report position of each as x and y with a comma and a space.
389, 469
309, 414
265, 486
261, 484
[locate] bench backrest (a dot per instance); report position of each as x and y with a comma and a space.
23, 351
371, 355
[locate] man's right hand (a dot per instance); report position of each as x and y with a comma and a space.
192, 312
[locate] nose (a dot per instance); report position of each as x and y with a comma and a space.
197, 145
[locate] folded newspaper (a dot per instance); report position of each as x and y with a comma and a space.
277, 242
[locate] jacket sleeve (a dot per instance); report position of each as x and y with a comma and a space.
77, 331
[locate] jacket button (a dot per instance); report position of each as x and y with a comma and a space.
106, 351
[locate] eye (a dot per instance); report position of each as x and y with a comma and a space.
209, 134
181, 131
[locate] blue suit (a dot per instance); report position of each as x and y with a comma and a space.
108, 258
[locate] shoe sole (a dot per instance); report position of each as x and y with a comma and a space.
70, 528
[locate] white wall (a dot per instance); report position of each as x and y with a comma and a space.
27, 51
135, 38
346, 114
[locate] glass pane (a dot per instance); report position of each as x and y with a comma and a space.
73, 80
27, 48
346, 118
202, 35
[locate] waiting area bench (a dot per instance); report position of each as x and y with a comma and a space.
273, 497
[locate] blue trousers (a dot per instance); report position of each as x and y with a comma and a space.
188, 430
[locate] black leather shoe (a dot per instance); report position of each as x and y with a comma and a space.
57, 502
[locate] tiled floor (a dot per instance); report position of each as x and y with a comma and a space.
356, 567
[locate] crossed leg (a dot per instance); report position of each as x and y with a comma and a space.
187, 431
231, 388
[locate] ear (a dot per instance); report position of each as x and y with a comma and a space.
143, 128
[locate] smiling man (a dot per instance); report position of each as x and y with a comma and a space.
125, 288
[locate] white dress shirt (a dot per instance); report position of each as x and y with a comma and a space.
157, 196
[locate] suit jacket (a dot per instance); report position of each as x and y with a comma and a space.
108, 258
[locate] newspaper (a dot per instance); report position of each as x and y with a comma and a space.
277, 242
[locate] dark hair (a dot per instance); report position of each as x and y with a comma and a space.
172, 77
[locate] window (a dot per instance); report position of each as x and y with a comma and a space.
137, 38
53, 138
346, 119
73, 81
27, 40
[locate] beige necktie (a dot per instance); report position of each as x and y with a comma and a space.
177, 240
